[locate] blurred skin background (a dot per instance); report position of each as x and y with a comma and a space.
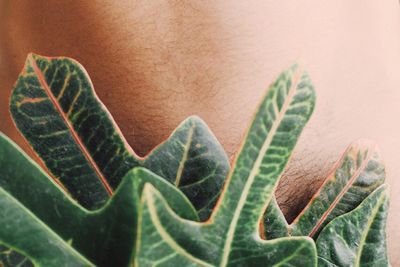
153, 63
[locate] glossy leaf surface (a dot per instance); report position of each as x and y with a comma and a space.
54, 105
357, 238
231, 236
105, 237
357, 174
24, 232
193, 160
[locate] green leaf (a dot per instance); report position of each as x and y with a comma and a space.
357, 238
357, 174
53, 104
193, 160
55, 107
10, 258
231, 236
106, 236
157, 246
24, 232
274, 224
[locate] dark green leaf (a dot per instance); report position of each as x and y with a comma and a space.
54, 106
24, 232
358, 173
194, 161
11, 258
274, 224
106, 236
231, 236
357, 238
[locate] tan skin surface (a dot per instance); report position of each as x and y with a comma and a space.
153, 63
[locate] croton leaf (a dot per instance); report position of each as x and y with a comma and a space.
22, 231
357, 174
231, 236
357, 238
9, 257
193, 160
36, 213
55, 107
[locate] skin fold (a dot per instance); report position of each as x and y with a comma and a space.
153, 63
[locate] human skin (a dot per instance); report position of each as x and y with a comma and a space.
153, 63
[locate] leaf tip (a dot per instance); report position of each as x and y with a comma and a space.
33, 57
366, 144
